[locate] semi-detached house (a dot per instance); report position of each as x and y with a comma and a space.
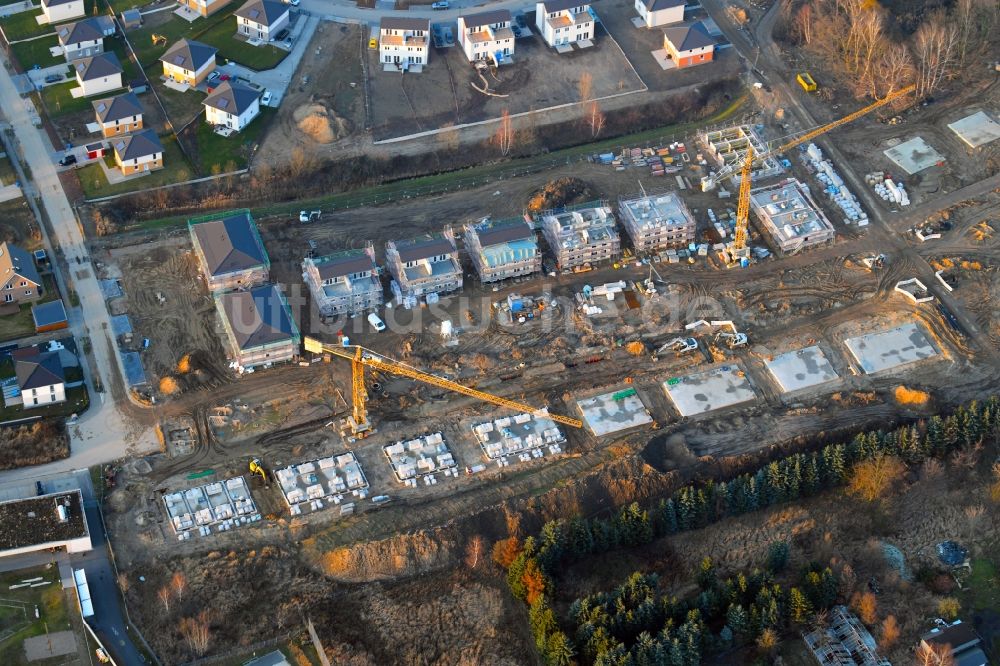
403, 42
564, 22
487, 36
425, 265
345, 283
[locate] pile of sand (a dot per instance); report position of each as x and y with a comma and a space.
319, 123
913, 397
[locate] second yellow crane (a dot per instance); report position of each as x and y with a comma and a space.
361, 357
739, 250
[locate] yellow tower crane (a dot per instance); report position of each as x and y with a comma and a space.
739, 250
361, 357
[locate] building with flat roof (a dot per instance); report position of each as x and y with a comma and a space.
56, 520
258, 325
229, 250
582, 235
657, 221
344, 283
791, 217
425, 265
565, 22
502, 249
403, 42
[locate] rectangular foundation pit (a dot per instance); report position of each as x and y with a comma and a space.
801, 369
613, 412
886, 350
708, 391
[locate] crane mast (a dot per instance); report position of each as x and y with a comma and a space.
739, 250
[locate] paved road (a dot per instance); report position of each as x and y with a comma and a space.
107, 622
103, 433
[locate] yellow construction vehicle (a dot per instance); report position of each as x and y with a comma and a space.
158, 40
738, 250
257, 467
361, 357
807, 82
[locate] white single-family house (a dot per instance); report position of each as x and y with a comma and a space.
564, 22
84, 38
262, 19
98, 74
232, 105
655, 13
40, 377
487, 36
57, 11
403, 41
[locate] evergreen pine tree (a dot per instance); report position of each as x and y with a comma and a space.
799, 608
737, 620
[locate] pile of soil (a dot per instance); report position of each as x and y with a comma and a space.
559, 193
320, 123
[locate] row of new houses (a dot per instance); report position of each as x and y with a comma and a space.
260, 329
489, 36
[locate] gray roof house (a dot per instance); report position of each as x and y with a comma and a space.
86, 37
232, 104
189, 56
99, 66
112, 109
230, 250
258, 326
138, 145
263, 12
16, 261
689, 37
35, 369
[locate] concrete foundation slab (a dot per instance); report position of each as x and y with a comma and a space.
604, 414
55, 644
890, 349
708, 391
801, 369
914, 155
976, 130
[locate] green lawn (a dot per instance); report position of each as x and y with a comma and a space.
58, 100
7, 173
77, 402
36, 52
181, 107
22, 324
52, 606
121, 5
23, 25
175, 169
229, 153
223, 37
982, 588
174, 29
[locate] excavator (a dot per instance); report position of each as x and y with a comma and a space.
738, 251
257, 467
678, 346
362, 358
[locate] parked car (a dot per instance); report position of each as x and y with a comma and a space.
376, 322
281, 35
442, 4
287, 43
214, 76
308, 215
68, 160
266, 98
53, 78
293, 3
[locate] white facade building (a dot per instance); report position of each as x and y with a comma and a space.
262, 19
660, 12
487, 36
232, 105
57, 11
564, 22
403, 42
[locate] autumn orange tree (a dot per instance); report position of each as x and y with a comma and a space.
872, 478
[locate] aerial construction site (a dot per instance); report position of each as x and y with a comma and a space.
360, 395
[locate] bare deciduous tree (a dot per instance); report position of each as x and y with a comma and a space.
595, 118
197, 632
935, 49
474, 551
505, 135
164, 596
177, 583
